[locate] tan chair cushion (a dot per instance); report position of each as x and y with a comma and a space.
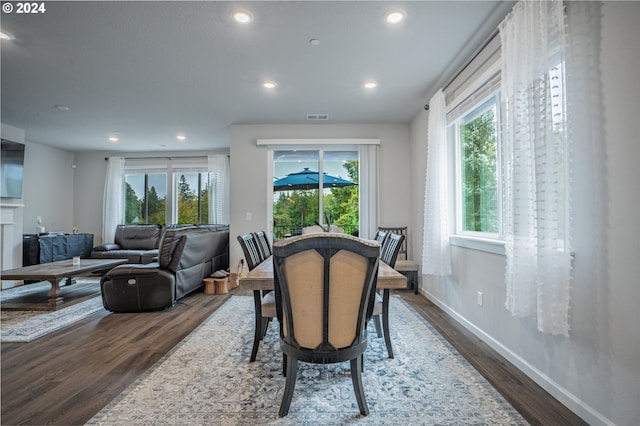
304, 273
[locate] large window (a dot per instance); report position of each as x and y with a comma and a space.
167, 192
476, 135
145, 198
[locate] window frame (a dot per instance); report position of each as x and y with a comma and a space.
453, 135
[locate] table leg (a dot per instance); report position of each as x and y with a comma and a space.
385, 321
55, 294
257, 302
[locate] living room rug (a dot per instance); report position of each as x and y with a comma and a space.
25, 326
207, 379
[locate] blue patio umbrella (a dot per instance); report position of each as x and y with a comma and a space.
308, 179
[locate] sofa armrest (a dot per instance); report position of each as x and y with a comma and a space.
132, 269
107, 247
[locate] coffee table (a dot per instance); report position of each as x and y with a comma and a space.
55, 272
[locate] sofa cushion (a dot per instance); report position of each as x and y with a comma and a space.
137, 237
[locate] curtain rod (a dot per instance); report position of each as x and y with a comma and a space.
168, 158
471, 59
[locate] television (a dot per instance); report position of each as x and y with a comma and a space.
11, 169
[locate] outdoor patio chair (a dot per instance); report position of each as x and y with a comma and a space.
264, 302
324, 284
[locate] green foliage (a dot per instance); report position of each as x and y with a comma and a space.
479, 178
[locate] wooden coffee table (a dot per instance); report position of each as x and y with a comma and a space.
55, 272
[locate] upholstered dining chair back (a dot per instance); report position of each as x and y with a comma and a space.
250, 249
263, 244
324, 284
390, 248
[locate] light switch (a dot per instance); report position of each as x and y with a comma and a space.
249, 216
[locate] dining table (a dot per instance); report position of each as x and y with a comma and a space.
260, 279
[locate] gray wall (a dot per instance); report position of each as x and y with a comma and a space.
596, 370
48, 188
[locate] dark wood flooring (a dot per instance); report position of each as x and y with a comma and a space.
66, 377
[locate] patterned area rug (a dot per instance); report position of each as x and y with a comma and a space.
25, 326
208, 379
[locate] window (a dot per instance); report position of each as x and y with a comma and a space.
476, 135
303, 204
159, 191
145, 198
192, 199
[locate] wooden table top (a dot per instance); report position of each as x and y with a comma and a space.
60, 269
261, 277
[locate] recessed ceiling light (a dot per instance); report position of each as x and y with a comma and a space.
62, 107
242, 16
269, 85
181, 137
314, 42
5, 36
370, 84
113, 138
395, 16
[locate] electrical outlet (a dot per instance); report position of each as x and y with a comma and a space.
249, 216
479, 298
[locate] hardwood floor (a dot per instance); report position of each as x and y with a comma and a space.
68, 376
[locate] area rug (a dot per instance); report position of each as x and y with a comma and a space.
25, 326
208, 379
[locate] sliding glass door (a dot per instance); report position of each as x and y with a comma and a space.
315, 187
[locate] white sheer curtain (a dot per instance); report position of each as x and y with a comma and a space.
436, 259
368, 187
112, 211
219, 190
535, 151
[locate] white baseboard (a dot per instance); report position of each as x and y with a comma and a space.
575, 404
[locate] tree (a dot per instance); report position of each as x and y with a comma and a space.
156, 207
132, 205
187, 202
480, 190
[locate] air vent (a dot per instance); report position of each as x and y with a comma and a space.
317, 117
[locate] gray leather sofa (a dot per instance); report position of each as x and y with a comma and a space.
139, 243
185, 257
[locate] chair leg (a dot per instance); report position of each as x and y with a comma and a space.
258, 324
292, 373
376, 322
356, 378
265, 327
385, 321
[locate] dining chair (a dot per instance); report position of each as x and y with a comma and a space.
405, 265
324, 284
264, 302
388, 254
263, 244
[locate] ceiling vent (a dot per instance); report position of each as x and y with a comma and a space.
317, 117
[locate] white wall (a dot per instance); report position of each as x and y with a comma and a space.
249, 169
596, 370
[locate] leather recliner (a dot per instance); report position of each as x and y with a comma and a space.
186, 256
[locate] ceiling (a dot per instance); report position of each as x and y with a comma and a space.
148, 71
